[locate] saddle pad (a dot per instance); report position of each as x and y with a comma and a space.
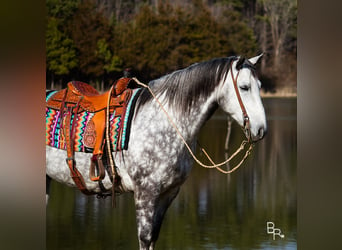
85, 131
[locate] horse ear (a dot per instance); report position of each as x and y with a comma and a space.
255, 59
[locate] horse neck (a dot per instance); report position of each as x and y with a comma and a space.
190, 122
189, 97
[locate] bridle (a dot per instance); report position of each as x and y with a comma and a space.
246, 128
246, 123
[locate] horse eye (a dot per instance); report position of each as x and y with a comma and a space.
244, 87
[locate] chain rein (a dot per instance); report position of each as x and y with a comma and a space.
242, 146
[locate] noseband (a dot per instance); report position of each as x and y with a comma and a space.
246, 124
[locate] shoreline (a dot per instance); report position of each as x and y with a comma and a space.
285, 93
278, 95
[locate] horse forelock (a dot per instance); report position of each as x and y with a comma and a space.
245, 63
183, 87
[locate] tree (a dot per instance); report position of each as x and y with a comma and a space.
61, 9
280, 17
92, 40
163, 40
60, 51
61, 56
87, 27
111, 63
236, 31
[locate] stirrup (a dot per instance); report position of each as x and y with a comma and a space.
96, 160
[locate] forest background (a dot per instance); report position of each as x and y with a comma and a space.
95, 40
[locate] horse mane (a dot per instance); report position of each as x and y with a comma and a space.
183, 87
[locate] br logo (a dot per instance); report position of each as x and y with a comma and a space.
274, 231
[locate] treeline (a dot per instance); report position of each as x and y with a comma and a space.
94, 41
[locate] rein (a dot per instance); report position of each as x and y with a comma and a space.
242, 146
111, 161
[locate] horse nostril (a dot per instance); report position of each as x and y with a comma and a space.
261, 133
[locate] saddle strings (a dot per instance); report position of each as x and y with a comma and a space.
217, 166
111, 161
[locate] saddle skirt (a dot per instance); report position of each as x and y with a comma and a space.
85, 132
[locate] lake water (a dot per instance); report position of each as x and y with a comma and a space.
212, 210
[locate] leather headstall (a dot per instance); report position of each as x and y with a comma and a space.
246, 123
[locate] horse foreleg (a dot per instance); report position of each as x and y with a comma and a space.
150, 213
47, 192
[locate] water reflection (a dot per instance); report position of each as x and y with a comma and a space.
212, 211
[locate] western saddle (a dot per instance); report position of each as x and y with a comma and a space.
79, 97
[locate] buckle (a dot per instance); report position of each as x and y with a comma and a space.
245, 120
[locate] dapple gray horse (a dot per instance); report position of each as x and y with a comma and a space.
157, 161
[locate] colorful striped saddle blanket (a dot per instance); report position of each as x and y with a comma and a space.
76, 121
84, 127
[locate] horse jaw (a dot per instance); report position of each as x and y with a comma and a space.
255, 59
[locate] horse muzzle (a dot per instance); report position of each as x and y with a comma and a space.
260, 134
255, 135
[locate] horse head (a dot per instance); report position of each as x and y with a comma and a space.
239, 96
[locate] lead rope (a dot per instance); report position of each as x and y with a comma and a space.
217, 166
111, 161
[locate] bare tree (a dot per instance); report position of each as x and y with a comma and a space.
280, 17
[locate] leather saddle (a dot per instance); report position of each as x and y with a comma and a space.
89, 98
79, 97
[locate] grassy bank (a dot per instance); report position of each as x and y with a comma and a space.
285, 92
